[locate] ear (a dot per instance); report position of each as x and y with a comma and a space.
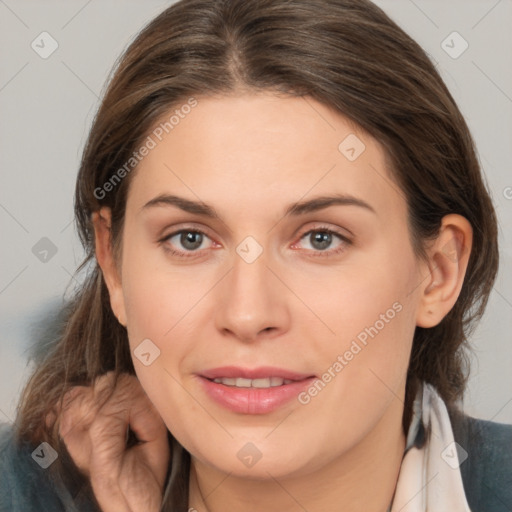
447, 265
104, 254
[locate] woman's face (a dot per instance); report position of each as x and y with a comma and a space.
266, 233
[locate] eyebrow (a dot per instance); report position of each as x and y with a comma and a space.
295, 209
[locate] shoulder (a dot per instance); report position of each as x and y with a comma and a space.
487, 470
27, 480
9, 473
23, 483
5, 466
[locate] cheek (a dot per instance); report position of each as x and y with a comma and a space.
155, 297
372, 313
156, 303
361, 303
148, 308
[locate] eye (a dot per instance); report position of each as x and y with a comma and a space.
190, 240
321, 239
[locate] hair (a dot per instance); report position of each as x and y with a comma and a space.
346, 54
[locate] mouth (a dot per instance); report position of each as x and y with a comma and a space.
253, 391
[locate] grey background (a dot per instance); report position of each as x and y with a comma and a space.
47, 106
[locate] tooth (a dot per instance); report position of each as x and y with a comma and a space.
276, 381
261, 383
241, 382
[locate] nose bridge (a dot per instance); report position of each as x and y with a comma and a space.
252, 299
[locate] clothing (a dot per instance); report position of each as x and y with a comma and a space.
453, 462
430, 477
433, 476
25, 486
487, 472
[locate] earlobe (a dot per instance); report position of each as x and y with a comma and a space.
448, 261
104, 255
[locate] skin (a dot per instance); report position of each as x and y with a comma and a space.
123, 479
250, 156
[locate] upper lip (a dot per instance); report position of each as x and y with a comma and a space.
253, 373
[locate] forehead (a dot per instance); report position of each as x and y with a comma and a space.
242, 152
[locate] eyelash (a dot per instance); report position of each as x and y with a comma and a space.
321, 229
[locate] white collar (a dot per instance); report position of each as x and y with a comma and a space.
430, 478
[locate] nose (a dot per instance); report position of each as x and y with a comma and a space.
252, 302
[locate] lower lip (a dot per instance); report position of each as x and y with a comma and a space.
254, 400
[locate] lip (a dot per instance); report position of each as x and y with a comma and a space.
253, 373
253, 400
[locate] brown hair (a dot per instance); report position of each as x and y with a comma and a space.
347, 54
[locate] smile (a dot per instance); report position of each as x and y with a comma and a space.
253, 396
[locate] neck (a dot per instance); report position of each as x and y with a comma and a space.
363, 478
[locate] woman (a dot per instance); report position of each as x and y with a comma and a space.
290, 241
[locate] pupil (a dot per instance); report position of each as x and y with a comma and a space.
322, 240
